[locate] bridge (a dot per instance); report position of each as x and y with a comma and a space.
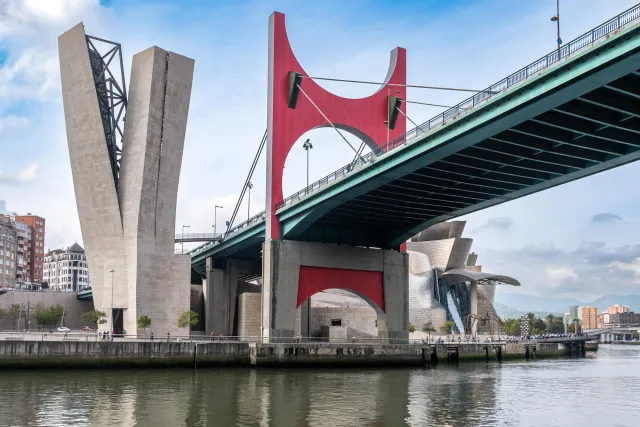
572, 113
615, 333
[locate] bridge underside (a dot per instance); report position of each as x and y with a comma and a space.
596, 131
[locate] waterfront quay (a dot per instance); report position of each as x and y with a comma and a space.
16, 353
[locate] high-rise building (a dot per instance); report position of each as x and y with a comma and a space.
590, 318
37, 225
7, 252
66, 270
23, 252
615, 309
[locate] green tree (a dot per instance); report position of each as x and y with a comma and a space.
571, 328
14, 314
447, 327
511, 327
48, 315
412, 328
55, 314
94, 317
428, 329
550, 319
44, 285
144, 322
188, 318
539, 325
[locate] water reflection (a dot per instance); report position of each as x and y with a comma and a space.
470, 394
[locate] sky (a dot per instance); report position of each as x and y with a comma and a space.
579, 240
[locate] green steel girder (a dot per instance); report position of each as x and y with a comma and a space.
621, 104
469, 173
507, 159
479, 183
446, 201
475, 191
601, 116
527, 141
233, 244
524, 152
586, 128
542, 93
405, 204
561, 136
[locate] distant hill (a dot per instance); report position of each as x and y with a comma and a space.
507, 312
531, 303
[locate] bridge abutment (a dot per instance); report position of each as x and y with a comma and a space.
293, 271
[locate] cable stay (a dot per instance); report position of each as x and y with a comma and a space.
328, 121
246, 182
396, 84
357, 156
430, 105
408, 118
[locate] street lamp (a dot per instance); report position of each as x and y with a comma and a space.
112, 271
215, 218
249, 187
182, 243
556, 19
307, 146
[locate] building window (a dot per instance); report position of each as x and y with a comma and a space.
336, 322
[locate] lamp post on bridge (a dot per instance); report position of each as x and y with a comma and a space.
249, 187
556, 19
182, 243
307, 146
215, 218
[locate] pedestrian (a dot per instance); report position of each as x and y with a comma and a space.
211, 336
353, 340
168, 336
151, 335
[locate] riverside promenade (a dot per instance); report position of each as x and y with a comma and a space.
83, 352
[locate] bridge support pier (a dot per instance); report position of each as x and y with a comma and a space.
220, 292
293, 271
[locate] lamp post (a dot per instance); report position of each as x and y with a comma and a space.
249, 187
307, 146
215, 218
112, 271
556, 19
182, 243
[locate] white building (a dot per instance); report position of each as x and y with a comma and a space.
66, 270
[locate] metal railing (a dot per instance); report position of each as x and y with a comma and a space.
243, 225
587, 39
198, 236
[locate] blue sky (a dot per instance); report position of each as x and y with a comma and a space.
579, 240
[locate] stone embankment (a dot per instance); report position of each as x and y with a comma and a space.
86, 354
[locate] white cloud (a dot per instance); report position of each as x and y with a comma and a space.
559, 275
12, 121
26, 176
632, 268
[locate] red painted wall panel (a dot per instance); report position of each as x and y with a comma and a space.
316, 279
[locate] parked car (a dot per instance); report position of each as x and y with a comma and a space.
63, 329
86, 328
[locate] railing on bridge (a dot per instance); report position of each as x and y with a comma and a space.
243, 225
198, 237
575, 45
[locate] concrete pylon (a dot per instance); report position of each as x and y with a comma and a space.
128, 224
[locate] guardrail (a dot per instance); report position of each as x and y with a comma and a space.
243, 225
587, 39
198, 236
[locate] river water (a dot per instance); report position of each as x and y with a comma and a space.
600, 390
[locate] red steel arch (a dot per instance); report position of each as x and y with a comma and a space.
363, 117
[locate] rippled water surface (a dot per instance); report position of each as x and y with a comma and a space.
601, 390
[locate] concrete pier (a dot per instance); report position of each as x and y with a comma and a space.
100, 354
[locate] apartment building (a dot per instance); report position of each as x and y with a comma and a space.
8, 239
590, 317
66, 270
36, 261
615, 309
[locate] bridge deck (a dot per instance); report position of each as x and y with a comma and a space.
561, 118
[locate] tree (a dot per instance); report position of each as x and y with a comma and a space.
511, 327
412, 328
539, 325
447, 327
95, 317
48, 315
14, 314
571, 328
550, 319
188, 318
144, 322
44, 285
428, 329
55, 314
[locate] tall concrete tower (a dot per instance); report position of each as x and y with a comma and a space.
126, 175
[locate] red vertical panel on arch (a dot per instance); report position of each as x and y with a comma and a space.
316, 279
365, 115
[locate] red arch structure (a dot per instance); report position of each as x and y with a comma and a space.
363, 117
